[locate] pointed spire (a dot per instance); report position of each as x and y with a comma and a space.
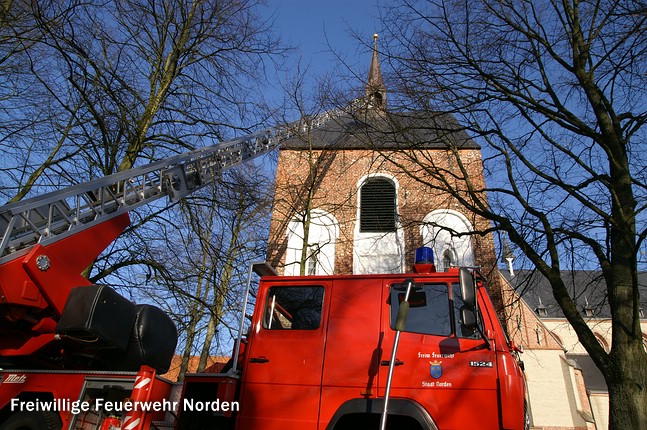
508, 256
507, 252
375, 88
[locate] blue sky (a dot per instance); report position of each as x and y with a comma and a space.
317, 27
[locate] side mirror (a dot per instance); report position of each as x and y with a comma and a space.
468, 318
401, 319
468, 287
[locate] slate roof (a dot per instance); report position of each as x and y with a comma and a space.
379, 129
593, 379
588, 288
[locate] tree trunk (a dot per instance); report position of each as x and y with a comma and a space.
208, 340
628, 392
221, 289
186, 356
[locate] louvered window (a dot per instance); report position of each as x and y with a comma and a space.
377, 206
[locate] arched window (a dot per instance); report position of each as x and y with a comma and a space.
602, 340
320, 253
377, 206
448, 259
448, 233
378, 244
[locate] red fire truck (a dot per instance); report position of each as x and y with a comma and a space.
422, 350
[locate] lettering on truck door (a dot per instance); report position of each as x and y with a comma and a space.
445, 368
282, 378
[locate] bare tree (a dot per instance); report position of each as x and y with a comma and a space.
298, 197
195, 259
107, 84
300, 201
244, 204
28, 114
91, 88
555, 93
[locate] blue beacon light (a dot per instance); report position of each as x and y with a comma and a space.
424, 260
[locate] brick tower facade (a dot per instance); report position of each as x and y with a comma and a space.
351, 198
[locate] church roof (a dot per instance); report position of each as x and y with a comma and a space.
367, 124
370, 129
587, 287
593, 378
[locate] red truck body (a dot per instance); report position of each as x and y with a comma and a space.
82, 400
316, 357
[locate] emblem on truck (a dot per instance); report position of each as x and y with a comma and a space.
13, 378
436, 369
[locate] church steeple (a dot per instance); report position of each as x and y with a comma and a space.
375, 88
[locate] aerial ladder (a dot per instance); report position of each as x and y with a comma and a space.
47, 241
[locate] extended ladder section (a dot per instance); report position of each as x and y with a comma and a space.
53, 216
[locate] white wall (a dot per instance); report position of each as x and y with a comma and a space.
322, 240
550, 389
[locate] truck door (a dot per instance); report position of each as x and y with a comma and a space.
446, 369
282, 375
354, 344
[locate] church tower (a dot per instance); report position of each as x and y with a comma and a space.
348, 199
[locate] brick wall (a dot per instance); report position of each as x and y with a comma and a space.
328, 180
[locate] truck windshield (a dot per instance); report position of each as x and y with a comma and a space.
433, 310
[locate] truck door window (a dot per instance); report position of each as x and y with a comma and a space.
293, 308
429, 311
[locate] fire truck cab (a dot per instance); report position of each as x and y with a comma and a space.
319, 349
